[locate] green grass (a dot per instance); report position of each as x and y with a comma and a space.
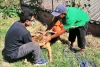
59, 59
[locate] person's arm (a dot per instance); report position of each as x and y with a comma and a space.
48, 38
27, 38
50, 25
68, 23
58, 33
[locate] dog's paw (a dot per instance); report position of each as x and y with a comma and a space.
50, 59
25, 61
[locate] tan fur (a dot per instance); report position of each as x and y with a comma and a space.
40, 39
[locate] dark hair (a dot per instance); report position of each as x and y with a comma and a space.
25, 15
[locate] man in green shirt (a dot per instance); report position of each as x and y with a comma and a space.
75, 20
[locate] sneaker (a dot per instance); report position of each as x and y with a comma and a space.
72, 48
41, 62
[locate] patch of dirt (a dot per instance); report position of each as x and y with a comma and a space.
5, 64
93, 41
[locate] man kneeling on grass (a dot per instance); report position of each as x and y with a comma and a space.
18, 41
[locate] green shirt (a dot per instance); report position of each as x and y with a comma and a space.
75, 17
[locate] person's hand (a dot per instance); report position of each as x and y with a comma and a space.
47, 39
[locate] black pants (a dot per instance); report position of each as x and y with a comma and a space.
80, 32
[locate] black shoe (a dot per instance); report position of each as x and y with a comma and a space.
71, 48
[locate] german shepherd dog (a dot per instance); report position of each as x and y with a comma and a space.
40, 39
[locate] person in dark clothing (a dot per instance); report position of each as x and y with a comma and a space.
18, 41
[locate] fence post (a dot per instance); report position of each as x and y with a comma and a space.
52, 5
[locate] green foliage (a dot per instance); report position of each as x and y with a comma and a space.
9, 12
73, 4
9, 8
77, 3
35, 2
9, 3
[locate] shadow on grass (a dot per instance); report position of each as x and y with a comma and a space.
9, 60
64, 41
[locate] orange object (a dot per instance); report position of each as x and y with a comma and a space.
58, 26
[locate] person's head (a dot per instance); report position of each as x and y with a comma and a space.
26, 17
60, 11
